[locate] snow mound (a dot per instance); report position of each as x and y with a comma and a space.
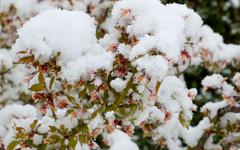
72, 33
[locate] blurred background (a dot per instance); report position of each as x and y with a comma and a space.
222, 15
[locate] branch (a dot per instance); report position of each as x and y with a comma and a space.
221, 112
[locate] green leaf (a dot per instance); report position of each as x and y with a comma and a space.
98, 111
26, 59
82, 94
22, 52
72, 142
41, 78
71, 99
69, 111
54, 138
216, 138
21, 135
19, 129
105, 97
42, 147
12, 145
37, 87
33, 125
90, 87
125, 110
183, 121
51, 82
53, 129
81, 138
29, 142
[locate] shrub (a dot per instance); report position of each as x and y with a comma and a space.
111, 75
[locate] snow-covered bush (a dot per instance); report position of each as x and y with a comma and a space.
98, 71
222, 15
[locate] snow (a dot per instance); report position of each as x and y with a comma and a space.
118, 84
68, 121
155, 66
193, 134
46, 121
213, 81
120, 140
24, 7
80, 146
110, 115
124, 50
174, 96
213, 42
228, 90
12, 78
19, 122
27, 8
193, 21
230, 118
37, 139
210, 40
3, 132
236, 79
192, 93
236, 3
212, 108
17, 76
16, 111
72, 33
5, 58
173, 129
152, 24
97, 81
209, 145
95, 123
150, 114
